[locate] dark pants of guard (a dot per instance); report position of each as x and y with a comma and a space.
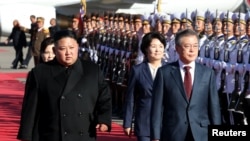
225, 114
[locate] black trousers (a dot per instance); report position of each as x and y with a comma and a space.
18, 56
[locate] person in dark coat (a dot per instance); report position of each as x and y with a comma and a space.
139, 92
65, 99
54, 27
183, 112
32, 31
18, 37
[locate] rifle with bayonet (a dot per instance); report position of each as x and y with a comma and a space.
207, 45
223, 96
216, 48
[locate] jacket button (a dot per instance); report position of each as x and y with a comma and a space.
62, 97
64, 115
80, 114
65, 133
79, 95
81, 133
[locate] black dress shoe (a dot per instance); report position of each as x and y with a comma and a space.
13, 67
23, 67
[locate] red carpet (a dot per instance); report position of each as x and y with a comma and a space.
11, 94
2, 50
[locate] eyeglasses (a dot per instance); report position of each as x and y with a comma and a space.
188, 46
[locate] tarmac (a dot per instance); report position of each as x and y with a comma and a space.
7, 55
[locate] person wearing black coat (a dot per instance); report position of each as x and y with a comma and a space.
65, 99
19, 41
54, 27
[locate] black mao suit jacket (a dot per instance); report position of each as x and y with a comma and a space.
57, 111
169, 98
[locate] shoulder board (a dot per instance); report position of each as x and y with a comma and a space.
233, 42
245, 40
220, 39
46, 30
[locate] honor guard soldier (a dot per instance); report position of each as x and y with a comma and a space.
186, 20
93, 20
85, 44
91, 37
228, 64
204, 53
136, 33
217, 48
146, 28
127, 23
75, 27
116, 16
241, 51
216, 53
166, 25
246, 98
198, 17
137, 23
99, 21
106, 19
157, 22
175, 27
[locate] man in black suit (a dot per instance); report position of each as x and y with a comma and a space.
65, 99
32, 31
53, 27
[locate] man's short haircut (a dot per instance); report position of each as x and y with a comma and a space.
63, 34
184, 33
32, 16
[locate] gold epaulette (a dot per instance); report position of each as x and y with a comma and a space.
46, 30
244, 40
220, 39
233, 42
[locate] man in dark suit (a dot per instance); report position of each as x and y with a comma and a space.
53, 27
32, 31
181, 112
65, 99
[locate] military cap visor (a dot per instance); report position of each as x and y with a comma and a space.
166, 22
175, 20
186, 21
228, 20
241, 21
200, 18
145, 22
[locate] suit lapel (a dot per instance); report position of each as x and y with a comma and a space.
146, 72
197, 80
75, 76
176, 74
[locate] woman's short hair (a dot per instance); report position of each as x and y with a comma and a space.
147, 39
47, 41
